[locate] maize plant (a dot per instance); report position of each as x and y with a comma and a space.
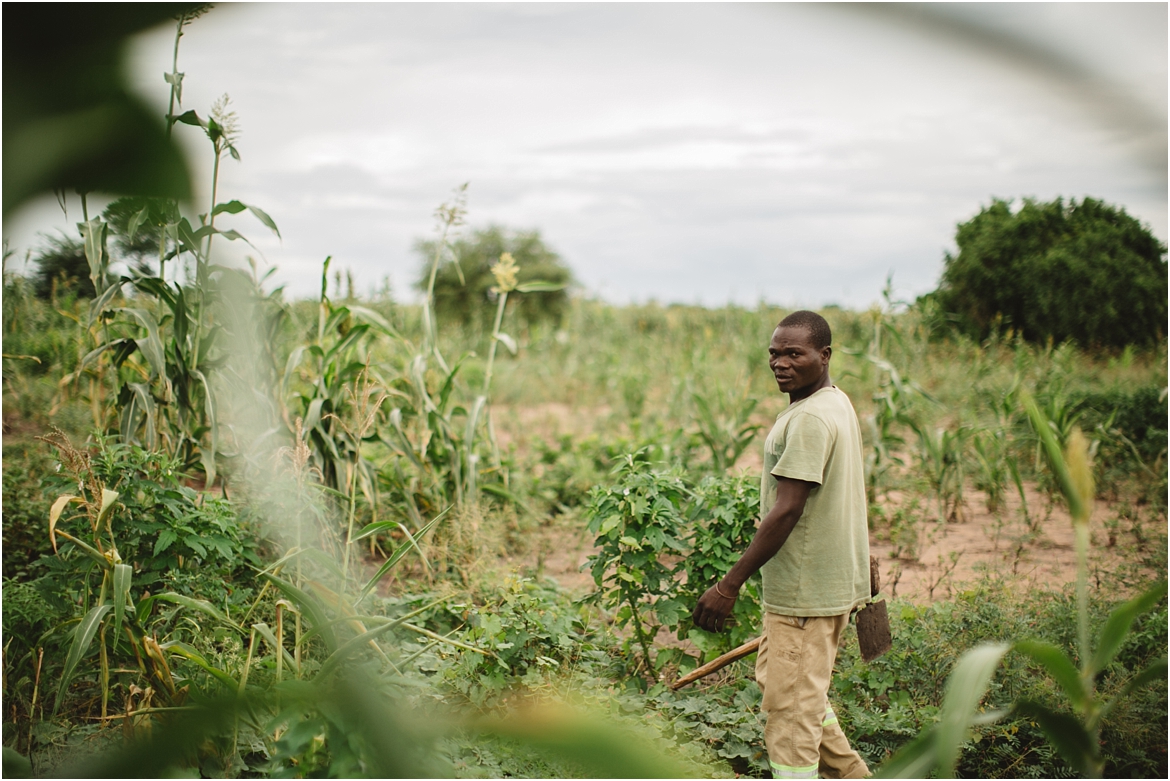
1074, 733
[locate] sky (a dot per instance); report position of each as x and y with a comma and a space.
691, 153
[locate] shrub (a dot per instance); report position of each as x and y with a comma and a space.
1085, 271
723, 522
163, 526
1139, 414
61, 263
662, 542
638, 523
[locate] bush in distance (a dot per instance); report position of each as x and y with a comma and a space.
1085, 271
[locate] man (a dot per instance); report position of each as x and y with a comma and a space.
812, 548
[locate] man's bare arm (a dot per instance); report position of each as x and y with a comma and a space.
715, 605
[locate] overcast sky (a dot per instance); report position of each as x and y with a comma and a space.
682, 152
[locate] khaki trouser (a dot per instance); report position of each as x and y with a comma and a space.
793, 669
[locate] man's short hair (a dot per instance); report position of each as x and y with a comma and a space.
817, 327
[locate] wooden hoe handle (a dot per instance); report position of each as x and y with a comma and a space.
746, 649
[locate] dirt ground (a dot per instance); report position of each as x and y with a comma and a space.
929, 563
953, 556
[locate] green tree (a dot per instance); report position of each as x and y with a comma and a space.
1085, 271
60, 262
463, 285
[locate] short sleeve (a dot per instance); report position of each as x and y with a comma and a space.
807, 446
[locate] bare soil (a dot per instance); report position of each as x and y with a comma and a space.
929, 563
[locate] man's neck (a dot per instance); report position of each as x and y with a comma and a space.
800, 395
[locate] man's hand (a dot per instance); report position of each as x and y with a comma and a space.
713, 608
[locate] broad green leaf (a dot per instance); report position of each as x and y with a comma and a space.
136, 222
1040, 424
915, 760
190, 603
151, 346
313, 416
965, 688
473, 421
55, 515
99, 304
508, 341
186, 235
166, 538
189, 118
1063, 671
1066, 734
1117, 626
609, 524
123, 574
87, 549
399, 553
540, 286
109, 499
230, 207
142, 406
261, 215
374, 528
82, 637
16, 765
375, 319
187, 652
94, 234
294, 360
93, 354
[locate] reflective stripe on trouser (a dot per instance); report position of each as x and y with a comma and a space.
802, 735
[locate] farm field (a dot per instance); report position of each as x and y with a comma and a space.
507, 572
252, 535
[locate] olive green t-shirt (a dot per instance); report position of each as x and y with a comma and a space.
823, 567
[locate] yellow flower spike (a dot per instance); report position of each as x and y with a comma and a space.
505, 272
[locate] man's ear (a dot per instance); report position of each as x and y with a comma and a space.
826, 354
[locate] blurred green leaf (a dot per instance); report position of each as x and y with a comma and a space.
965, 688
1062, 670
122, 576
91, 135
1064, 732
1117, 626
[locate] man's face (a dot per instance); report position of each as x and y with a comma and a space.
795, 362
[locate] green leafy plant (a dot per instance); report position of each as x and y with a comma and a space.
940, 456
169, 521
722, 518
638, 521
725, 426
